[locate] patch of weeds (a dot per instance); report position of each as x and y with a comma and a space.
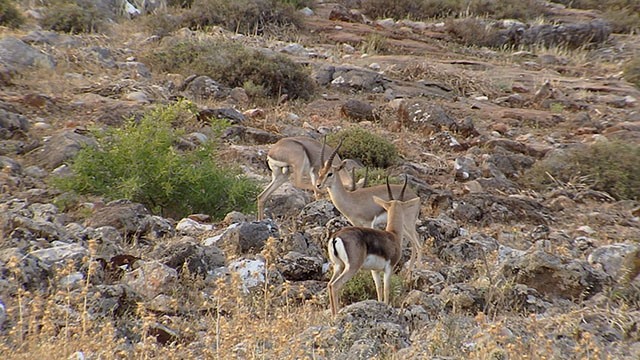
556, 107
609, 166
234, 65
361, 287
359, 144
375, 44
139, 162
72, 16
9, 14
631, 72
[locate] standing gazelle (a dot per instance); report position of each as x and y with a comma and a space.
297, 159
354, 248
360, 208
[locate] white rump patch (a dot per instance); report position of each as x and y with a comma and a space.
339, 248
375, 262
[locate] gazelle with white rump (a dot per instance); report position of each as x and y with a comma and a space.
354, 248
297, 159
360, 209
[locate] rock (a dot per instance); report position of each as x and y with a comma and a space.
554, 276
252, 273
286, 201
112, 300
358, 79
60, 253
298, 267
151, 279
611, 258
131, 219
357, 110
198, 259
191, 227
464, 248
248, 134
18, 54
30, 272
204, 87
247, 237
463, 297
341, 13
466, 168
234, 116
427, 281
317, 213
12, 123
62, 147
475, 207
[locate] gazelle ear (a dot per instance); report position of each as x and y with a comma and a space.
343, 164
380, 201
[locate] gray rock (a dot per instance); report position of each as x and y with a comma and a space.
60, 252
251, 135
31, 273
151, 279
232, 115
16, 53
465, 168
298, 267
463, 297
248, 237
62, 147
427, 281
478, 207
554, 276
317, 213
465, 248
11, 122
204, 87
198, 259
131, 219
611, 258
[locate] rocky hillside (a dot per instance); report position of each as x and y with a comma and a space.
520, 137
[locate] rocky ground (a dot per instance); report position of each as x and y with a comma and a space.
507, 271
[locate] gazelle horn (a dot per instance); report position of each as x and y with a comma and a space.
324, 143
404, 187
333, 154
389, 189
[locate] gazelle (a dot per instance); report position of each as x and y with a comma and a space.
297, 159
354, 248
359, 207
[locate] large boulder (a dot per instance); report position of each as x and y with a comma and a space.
18, 54
62, 147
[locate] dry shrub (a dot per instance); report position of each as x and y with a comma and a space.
234, 65
474, 31
632, 72
9, 14
426, 9
72, 16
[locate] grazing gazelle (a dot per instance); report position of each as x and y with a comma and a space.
297, 159
359, 207
354, 248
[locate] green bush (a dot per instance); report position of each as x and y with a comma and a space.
362, 287
359, 144
631, 72
72, 16
610, 166
9, 14
254, 17
139, 162
234, 65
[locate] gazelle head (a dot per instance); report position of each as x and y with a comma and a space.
328, 172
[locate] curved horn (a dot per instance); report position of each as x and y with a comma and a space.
389, 189
324, 143
333, 154
406, 178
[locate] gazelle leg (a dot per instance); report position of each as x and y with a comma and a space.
387, 283
279, 176
336, 284
338, 268
376, 279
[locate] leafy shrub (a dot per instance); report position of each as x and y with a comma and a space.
610, 166
9, 14
377, 176
234, 65
361, 287
72, 16
359, 144
632, 72
243, 16
139, 162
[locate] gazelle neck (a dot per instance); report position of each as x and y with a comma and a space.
395, 219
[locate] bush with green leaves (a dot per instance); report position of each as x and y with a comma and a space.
9, 14
140, 162
233, 65
72, 16
359, 144
609, 166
